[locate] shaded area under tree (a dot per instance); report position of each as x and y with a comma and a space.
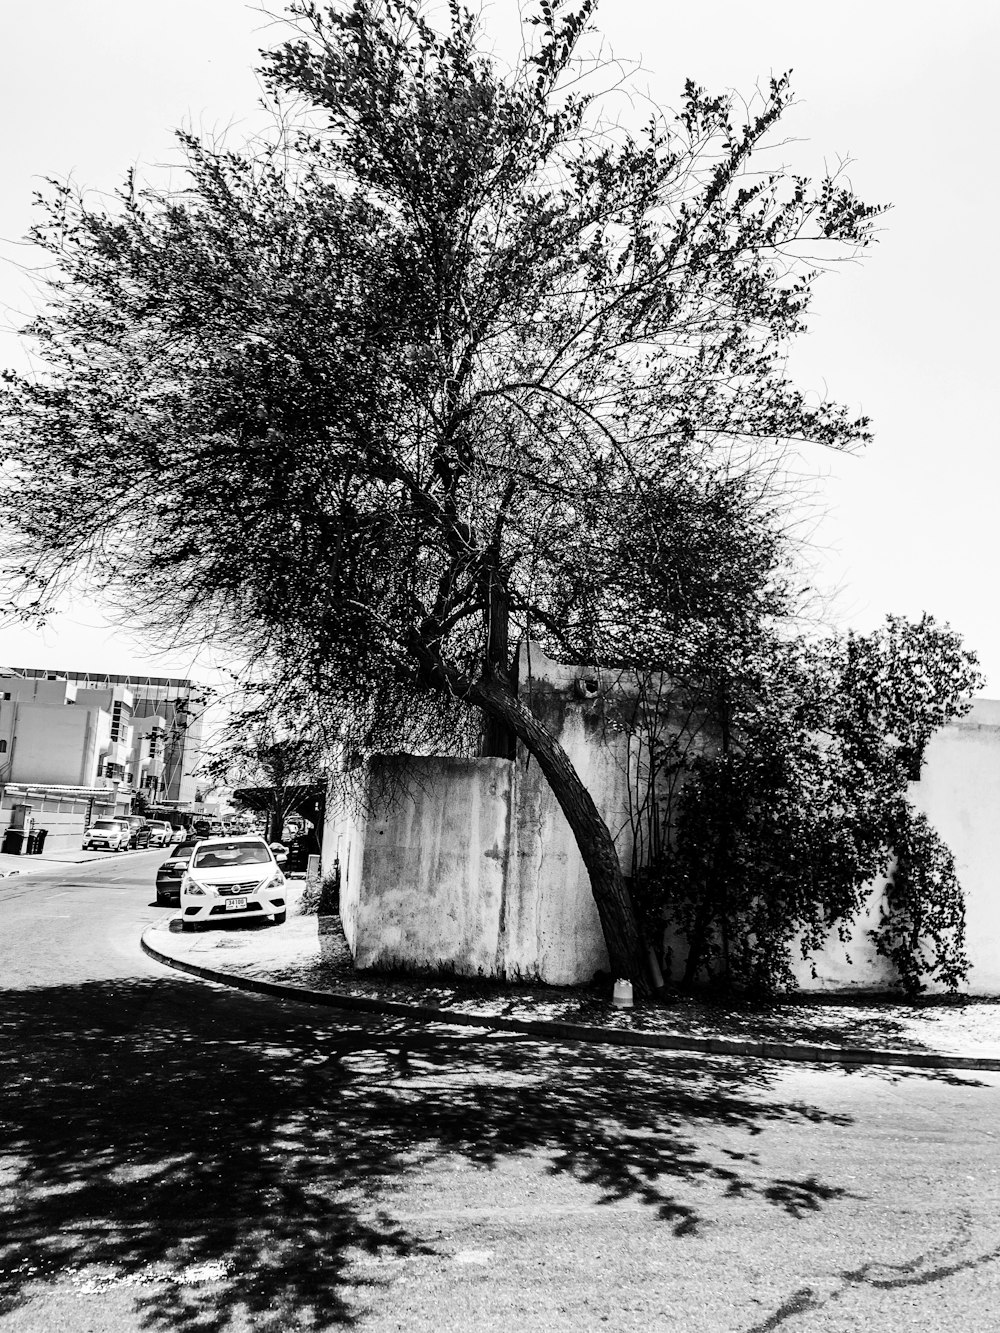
279, 1150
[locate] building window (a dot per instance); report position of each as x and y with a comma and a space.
3, 747
121, 716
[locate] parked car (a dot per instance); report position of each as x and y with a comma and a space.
159, 832
170, 873
138, 831
231, 878
110, 834
179, 835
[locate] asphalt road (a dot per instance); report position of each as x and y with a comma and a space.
177, 1156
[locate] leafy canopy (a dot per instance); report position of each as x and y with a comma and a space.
452, 348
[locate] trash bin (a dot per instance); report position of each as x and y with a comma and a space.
31, 845
40, 836
13, 842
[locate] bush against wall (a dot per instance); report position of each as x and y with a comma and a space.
780, 828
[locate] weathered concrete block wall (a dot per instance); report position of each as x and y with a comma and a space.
434, 865
470, 866
440, 877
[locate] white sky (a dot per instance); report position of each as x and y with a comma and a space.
905, 88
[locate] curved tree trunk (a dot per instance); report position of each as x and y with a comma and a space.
614, 904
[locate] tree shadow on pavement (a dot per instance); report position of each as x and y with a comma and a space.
230, 1158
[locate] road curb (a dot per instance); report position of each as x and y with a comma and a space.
800, 1052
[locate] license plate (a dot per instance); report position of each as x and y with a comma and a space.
233, 903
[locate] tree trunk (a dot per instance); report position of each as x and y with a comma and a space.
614, 905
498, 737
696, 944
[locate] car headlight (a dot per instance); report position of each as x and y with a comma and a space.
275, 880
189, 885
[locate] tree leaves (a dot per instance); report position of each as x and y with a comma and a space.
800, 804
450, 344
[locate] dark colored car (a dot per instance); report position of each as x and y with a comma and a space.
139, 831
170, 874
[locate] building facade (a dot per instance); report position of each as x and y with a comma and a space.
172, 706
69, 756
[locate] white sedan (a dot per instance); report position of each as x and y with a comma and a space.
230, 878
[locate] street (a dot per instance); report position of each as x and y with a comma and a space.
176, 1155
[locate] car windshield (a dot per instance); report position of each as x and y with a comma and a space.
107, 826
182, 852
226, 854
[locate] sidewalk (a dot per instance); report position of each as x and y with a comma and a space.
307, 958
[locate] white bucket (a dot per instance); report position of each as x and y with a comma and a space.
622, 997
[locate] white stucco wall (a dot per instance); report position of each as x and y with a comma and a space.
959, 791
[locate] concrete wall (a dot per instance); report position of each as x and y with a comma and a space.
472, 868
441, 877
439, 855
343, 848
468, 865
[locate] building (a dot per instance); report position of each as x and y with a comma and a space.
177, 702
69, 755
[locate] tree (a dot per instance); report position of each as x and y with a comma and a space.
280, 771
780, 828
432, 367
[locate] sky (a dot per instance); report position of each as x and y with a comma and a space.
904, 89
